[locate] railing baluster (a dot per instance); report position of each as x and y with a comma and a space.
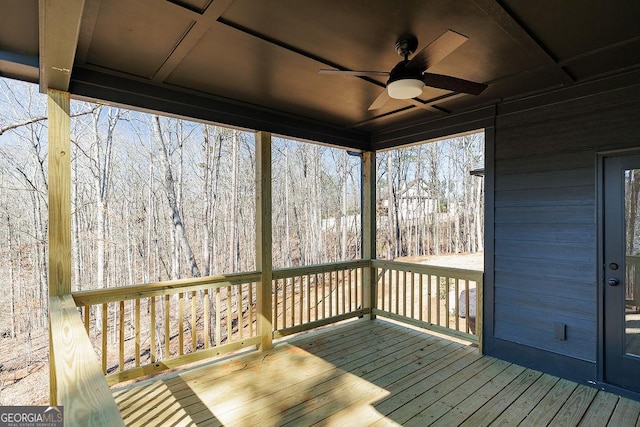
137, 330
301, 301
251, 309
456, 303
206, 319
218, 318
323, 292
413, 300
404, 293
229, 315
344, 286
181, 323
438, 284
420, 291
105, 314
194, 329
429, 285
315, 291
379, 277
284, 302
347, 284
239, 304
292, 310
152, 326
308, 298
121, 347
397, 291
356, 286
275, 303
466, 306
331, 294
167, 329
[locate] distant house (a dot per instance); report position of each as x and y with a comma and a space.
414, 200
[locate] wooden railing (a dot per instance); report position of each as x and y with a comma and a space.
446, 300
309, 297
80, 384
142, 329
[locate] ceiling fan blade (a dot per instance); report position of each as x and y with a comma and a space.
435, 51
380, 100
453, 84
354, 73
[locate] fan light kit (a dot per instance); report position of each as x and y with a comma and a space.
405, 89
409, 77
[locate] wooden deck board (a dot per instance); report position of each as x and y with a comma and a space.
626, 413
367, 373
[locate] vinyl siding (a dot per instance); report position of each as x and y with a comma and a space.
545, 218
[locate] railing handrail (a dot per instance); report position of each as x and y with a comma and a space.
459, 273
283, 273
129, 292
80, 384
124, 293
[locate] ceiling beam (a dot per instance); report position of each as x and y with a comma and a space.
200, 27
59, 27
509, 25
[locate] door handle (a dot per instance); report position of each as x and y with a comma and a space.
614, 282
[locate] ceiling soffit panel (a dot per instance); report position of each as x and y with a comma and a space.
19, 41
229, 63
361, 35
570, 27
587, 37
19, 27
605, 61
136, 37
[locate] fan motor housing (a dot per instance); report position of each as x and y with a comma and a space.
401, 72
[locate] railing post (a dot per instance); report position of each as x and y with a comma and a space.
369, 296
264, 262
59, 177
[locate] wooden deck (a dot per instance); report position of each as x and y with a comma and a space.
368, 373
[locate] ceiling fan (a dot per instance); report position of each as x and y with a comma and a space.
408, 78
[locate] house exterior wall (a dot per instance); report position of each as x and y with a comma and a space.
542, 217
544, 256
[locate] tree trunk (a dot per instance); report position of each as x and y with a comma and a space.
170, 191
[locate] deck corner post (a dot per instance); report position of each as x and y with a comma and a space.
369, 231
264, 261
59, 180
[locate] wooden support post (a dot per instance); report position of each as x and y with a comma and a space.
59, 136
369, 296
264, 262
59, 171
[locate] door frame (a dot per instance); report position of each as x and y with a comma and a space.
600, 186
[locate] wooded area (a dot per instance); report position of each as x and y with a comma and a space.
157, 198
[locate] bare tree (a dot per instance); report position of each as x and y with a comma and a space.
170, 191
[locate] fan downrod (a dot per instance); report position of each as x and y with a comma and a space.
406, 45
